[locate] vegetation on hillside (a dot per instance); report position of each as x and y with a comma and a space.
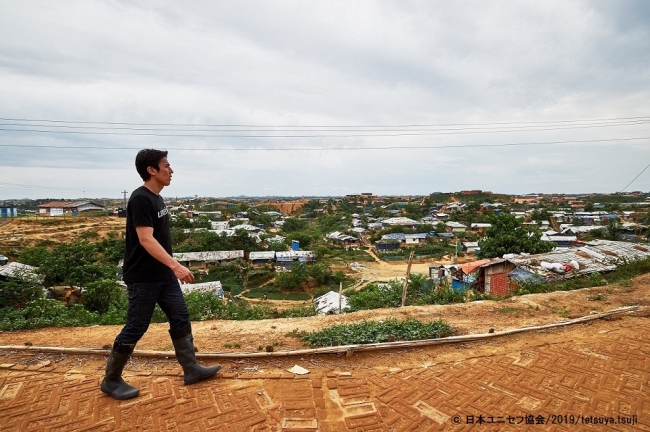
91, 262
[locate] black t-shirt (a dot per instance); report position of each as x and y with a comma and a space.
146, 209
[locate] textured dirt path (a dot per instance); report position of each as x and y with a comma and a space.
594, 372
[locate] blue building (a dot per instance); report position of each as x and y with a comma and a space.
6, 212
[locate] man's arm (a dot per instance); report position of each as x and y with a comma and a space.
151, 245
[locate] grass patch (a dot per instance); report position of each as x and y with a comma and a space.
232, 345
508, 309
562, 311
375, 332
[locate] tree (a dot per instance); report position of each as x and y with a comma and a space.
293, 278
181, 221
34, 256
540, 215
277, 246
614, 227
303, 239
263, 219
293, 224
320, 272
508, 235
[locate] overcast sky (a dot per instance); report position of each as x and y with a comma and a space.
324, 97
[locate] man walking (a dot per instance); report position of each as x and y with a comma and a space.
151, 275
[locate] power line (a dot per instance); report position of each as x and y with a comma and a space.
447, 146
87, 129
324, 126
367, 135
638, 175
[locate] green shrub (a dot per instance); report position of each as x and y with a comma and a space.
17, 293
88, 235
42, 313
375, 332
374, 296
100, 295
293, 278
441, 295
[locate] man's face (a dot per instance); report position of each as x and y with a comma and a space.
162, 175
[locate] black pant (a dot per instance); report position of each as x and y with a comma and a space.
142, 301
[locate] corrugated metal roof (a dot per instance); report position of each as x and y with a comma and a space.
261, 255
558, 238
597, 256
445, 234
580, 229
292, 254
400, 221
17, 270
246, 227
333, 234
68, 204
421, 236
336, 235
209, 256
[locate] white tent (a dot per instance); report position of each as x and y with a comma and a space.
329, 303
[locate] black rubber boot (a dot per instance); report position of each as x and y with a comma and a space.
193, 372
113, 384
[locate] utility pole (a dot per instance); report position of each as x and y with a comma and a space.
406, 281
125, 192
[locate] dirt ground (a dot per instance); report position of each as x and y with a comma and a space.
29, 232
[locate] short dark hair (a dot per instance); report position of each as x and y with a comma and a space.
148, 158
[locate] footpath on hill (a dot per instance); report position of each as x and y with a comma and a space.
564, 378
